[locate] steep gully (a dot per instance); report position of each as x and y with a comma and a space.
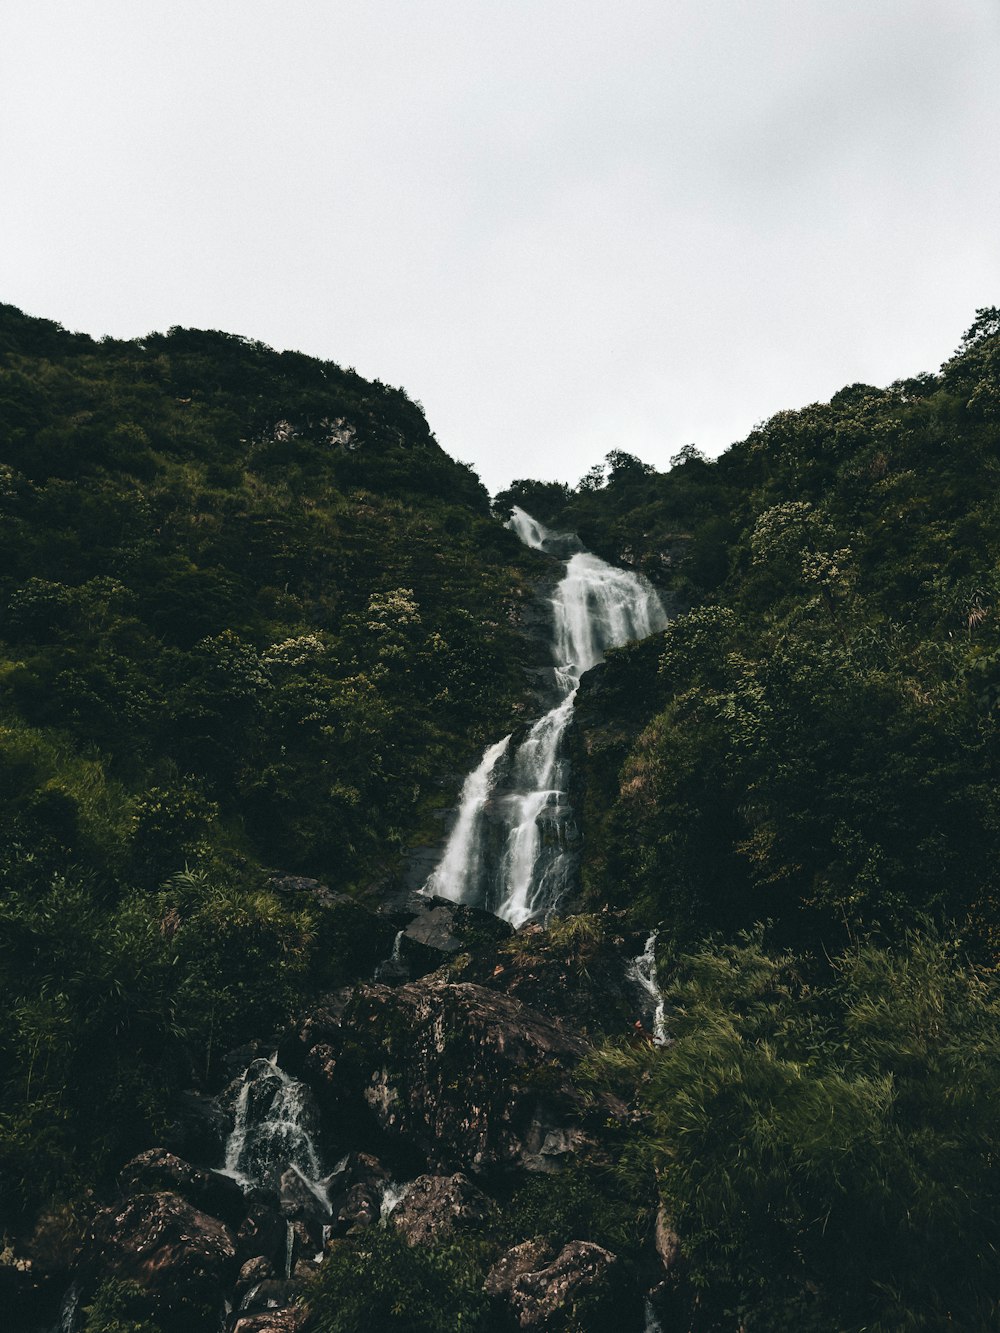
510, 850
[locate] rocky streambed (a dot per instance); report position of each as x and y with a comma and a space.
427, 1103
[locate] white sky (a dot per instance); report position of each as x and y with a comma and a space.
564, 227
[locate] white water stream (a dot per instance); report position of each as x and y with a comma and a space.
273, 1129
643, 972
510, 848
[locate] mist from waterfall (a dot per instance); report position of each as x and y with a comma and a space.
511, 847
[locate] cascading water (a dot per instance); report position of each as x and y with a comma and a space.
510, 848
274, 1128
454, 876
393, 1194
643, 972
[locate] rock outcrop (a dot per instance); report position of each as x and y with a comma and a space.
287, 1319
540, 1288
435, 1208
209, 1192
398, 1061
181, 1258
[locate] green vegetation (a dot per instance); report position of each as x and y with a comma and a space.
827, 1151
381, 1282
814, 744
250, 615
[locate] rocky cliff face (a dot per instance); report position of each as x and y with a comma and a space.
396, 1064
427, 1103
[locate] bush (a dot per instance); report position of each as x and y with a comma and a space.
380, 1282
829, 1153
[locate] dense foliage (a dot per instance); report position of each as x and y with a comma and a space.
816, 741
828, 1152
250, 616
814, 744
253, 623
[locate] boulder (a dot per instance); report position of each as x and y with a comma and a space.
263, 1235
270, 1294
181, 1258
666, 1241
407, 960
527, 1257
296, 1199
289, 1319
198, 1127
437, 1207
356, 1190
429, 930
251, 1275
157, 1169
397, 1063
360, 1208
581, 1271
449, 927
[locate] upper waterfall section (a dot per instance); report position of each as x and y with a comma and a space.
596, 606
512, 846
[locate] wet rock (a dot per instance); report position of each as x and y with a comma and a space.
271, 1294
277, 1124
437, 1207
452, 927
252, 1274
297, 1200
208, 1191
360, 1208
399, 1060
430, 929
356, 1190
580, 1271
181, 1258
408, 960
234, 1062
291, 1319
198, 1127
666, 1241
263, 1235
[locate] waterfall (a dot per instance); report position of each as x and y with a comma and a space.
68, 1310
510, 849
273, 1128
531, 532
289, 1249
452, 877
643, 972
393, 1194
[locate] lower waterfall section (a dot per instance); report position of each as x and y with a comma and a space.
511, 849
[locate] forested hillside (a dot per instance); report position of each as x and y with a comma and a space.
814, 747
251, 616
254, 626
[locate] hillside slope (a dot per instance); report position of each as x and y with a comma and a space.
255, 627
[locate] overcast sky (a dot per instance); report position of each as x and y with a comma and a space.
564, 227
